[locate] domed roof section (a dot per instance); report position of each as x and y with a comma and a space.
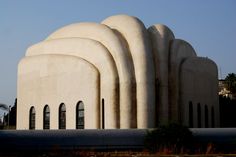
124, 19
78, 30
162, 30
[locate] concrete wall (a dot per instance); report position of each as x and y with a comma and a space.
140, 48
179, 51
120, 54
100, 58
56, 79
199, 84
161, 37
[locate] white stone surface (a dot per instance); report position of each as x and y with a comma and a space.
136, 35
161, 36
100, 57
145, 77
111, 41
179, 51
56, 79
199, 84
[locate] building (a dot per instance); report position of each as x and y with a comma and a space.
115, 74
223, 90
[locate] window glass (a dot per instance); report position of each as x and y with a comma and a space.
80, 115
62, 116
32, 118
46, 117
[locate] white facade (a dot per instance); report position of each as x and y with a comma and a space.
126, 76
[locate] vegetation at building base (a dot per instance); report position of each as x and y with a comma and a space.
172, 138
169, 140
178, 139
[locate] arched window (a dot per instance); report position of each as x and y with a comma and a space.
62, 116
199, 123
190, 114
206, 117
32, 118
80, 115
212, 117
46, 117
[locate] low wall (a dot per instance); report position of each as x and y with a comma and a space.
122, 139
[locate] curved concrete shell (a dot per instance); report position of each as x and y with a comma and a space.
95, 53
199, 85
55, 79
140, 49
115, 75
109, 39
161, 36
179, 50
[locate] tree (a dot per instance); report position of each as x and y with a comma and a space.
231, 82
3, 106
227, 112
13, 114
172, 137
10, 117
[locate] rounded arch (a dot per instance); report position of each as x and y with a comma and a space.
179, 51
142, 57
32, 118
70, 82
62, 116
80, 119
99, 57
46, 117
161, 36
119, 52
199, 73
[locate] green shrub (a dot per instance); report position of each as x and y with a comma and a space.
173, 138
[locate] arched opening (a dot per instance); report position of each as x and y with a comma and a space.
206, 117
80, 115
199, 123
62, 116
32, 118
212, 117
46, 117
103, 114
190, 114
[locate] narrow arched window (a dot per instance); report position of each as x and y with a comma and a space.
62, 116
199, 123
80, 115
46, 117
103, 114
32, 119
190, 114
206, 117
212, 117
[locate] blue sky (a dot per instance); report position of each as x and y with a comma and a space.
209, 26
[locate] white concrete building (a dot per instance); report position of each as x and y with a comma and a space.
116, 74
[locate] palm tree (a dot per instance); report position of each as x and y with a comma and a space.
3, 106
231, 82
